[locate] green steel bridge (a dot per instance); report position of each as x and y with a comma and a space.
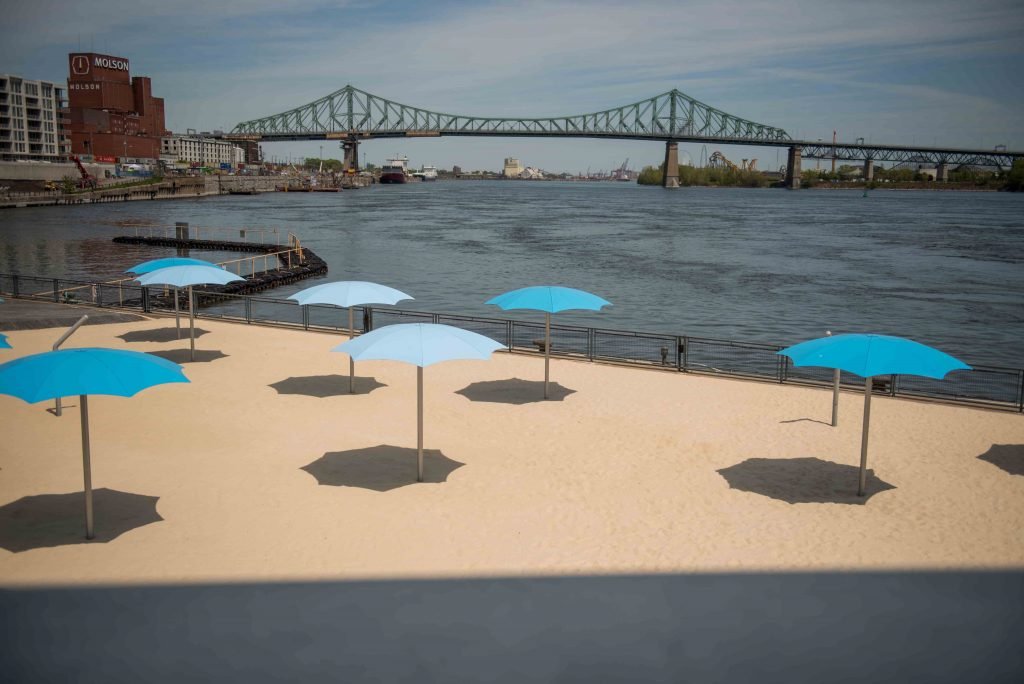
351, 115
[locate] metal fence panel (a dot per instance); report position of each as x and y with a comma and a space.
226, 306
732, 358
617, 345
564, 339
282, 311
334, 317
382, 317
495, 329
984, 383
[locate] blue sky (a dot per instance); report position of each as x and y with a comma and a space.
907, 71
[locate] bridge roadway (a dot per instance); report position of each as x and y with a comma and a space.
351, 116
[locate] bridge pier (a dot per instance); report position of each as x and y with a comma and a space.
942, 172
869, 170
671, 177
793, 168
351, 161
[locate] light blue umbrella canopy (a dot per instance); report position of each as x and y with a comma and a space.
66, 372
157, 264
4, 344
188, 275
421, 344
869, 355
549, 298
349, 293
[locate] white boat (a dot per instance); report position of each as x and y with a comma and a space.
427, 173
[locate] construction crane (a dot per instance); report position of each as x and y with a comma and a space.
622, 173
87, 180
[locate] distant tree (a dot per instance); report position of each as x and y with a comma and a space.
1015, 178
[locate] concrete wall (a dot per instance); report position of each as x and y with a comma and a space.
36, 171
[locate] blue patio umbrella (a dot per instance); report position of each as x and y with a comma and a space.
421, 344
549, 299
868, 356
349, 293
4, 344
67, 372
187, 276
157, 264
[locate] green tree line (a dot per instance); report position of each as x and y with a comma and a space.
689, 175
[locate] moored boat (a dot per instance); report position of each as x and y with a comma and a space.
394, 170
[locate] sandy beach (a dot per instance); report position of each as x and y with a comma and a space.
265, 468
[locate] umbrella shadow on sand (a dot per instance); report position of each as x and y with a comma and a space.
46, 520
161, 335
802, 480
514, 391
1009, 457
322, 386
380, 468
182, 355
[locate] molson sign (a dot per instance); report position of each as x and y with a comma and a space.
83, 64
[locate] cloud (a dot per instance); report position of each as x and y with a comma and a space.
797, 64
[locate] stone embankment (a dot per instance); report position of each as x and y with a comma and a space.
171, 188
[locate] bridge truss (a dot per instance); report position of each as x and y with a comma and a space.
901, 154
357, 114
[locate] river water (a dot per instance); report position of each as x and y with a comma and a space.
759, 265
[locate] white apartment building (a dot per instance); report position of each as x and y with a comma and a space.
31, 122
196, 149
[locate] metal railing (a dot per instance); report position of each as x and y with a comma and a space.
985, 386
263, 236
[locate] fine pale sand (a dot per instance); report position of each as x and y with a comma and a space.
264, 468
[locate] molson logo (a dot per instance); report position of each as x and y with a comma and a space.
79, 65
108, 63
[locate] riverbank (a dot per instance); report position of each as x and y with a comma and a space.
185, 187
265, 468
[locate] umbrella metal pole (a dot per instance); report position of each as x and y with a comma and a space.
86, 466
547, 350
419, 423
351, 361
835, 397
177, 319
864, 437
191, 327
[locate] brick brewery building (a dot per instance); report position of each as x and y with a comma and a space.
112, 115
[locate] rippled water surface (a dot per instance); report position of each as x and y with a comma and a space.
763, 265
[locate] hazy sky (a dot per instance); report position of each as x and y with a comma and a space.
906, 71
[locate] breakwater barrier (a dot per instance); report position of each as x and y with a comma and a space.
989, 387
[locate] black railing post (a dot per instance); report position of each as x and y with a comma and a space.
783, 368
686, 354
508, 334
305, 317
679, 353
1020, 391
248, 309
145, 300
892, 385
56, 290
368, 319
591, 343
